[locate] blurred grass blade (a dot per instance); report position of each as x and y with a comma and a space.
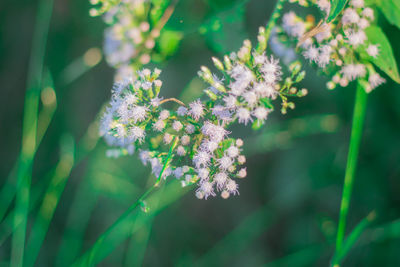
123, 228
355, 140
305, 257
138, 243
7, 227
78, 218
50, 200
49, 101
352, 239
238, 239
80, 66
29, 129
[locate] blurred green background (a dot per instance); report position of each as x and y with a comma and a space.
288, 206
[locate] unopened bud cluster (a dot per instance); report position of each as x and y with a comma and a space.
192, 142
341, 48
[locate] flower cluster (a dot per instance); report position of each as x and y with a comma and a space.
134, 27
337, 47
192, 142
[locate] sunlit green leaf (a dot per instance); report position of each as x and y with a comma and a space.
336, 7
391, 10
385, 60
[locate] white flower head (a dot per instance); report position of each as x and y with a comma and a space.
373, 50
220, 180
206, 189
196, 109
232, 187
261, 113
182, 111
139, 113
243, 115
375, 80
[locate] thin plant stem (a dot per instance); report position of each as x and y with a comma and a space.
91, 257
355, 140
352, 238
50, 201
276, 13
29, 130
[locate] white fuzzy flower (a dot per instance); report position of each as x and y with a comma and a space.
232, 187
242, 173
178, 173
155, 102
167, 138
182, 111
357, 38
363, 23
368, 13
139, 113
159, 125
232, 151
251, 98
180, 150
220, 180
373, 50
209, 146
177, 126
144, 156
311, 53
357, 3
350, 16
243, 115
375, 80
230, 101
201, 159
137, 133
190, 128
185, 140
164, 114
196, 109
203, 173
225, 162
206, 188
324, 5
353, 71
261, 113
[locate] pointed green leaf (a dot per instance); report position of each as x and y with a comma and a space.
391, 10
336, 7
385, 60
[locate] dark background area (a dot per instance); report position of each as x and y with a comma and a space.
290, 200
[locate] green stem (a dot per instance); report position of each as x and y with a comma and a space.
29, 130
274, 17
94, 254
356, 134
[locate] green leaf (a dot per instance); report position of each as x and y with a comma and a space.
391, 10
169, 42
336, 7
225, 31
385, 60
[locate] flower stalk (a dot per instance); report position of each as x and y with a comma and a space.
355, 140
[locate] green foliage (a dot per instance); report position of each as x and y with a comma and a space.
336, 7
385, 60
391, 10
225, 30
169, 42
